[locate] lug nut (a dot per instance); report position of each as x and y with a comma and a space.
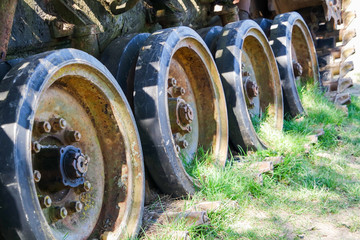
298, 69
177, 148
58, 124
37, 176
60, 213
43, 126
73, 136
183, 144
45, 202
75, 207
86, 186
36, 147
188, 129
246, 74
179, 91
87, 159
171, 82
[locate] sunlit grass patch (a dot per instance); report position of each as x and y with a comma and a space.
316, 179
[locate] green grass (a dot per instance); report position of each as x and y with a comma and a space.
318, 180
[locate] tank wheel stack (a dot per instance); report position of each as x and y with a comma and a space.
72, 154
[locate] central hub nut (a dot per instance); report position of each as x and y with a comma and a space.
252, 90
74, 166
186, 114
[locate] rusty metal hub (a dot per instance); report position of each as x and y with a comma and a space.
68, 162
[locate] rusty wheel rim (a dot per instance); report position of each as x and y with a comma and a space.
190, 101
86, 156
260, 80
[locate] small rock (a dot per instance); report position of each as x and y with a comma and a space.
206, 206
319, 132
275, 160
312, 139
195, 218
180, 235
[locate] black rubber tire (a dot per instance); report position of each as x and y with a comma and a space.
118, 7
21, 216
151, 108
120, 57
210, 36
228, 60
286, 28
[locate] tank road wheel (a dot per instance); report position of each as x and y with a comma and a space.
296, 57
71, 157
120, 58
251, 82
179, 106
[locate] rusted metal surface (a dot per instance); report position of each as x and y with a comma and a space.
7, 12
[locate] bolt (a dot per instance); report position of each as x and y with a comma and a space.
298, 70
81, 165
188, 129
60, 213
37, 176
179, 91
252, 89
75, 207
246, 74
45, 202
87, 159
73, 136
172, 82
177, 148
58, 124
86, 186
183, 144
43, 126
36, 147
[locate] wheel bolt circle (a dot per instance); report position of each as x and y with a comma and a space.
37, 176
36, 147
